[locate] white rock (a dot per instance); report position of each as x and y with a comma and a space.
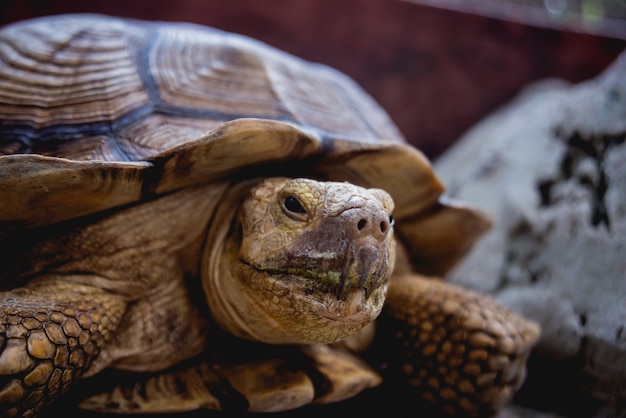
561, 331
551, 168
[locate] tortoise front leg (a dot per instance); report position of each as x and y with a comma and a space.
456, 348
49, 336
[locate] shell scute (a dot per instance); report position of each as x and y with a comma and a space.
60, 73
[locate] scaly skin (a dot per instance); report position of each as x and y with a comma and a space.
51, 335
457, 349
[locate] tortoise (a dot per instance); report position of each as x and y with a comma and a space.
192, 219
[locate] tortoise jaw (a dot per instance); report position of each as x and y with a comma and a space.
372, 267
365, 269
287, 307
305, 309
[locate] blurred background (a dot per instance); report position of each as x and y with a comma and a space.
437, 66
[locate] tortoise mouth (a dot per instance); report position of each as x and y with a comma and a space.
362, 264
365, 276
305, 305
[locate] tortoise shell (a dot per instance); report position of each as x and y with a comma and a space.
98, 112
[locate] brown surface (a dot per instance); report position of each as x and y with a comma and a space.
435, 71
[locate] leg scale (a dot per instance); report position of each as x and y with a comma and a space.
48, 338
458, 349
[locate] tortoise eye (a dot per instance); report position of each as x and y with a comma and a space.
293, 205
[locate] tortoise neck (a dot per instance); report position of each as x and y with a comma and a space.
217, 253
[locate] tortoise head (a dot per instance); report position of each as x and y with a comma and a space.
307, 262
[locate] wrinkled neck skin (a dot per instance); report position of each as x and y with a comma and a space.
279, 277
222, 288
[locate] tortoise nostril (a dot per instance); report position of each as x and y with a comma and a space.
376, 227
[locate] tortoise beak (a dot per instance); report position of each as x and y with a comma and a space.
368, 258
366, 268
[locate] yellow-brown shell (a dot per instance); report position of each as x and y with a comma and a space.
98, 112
